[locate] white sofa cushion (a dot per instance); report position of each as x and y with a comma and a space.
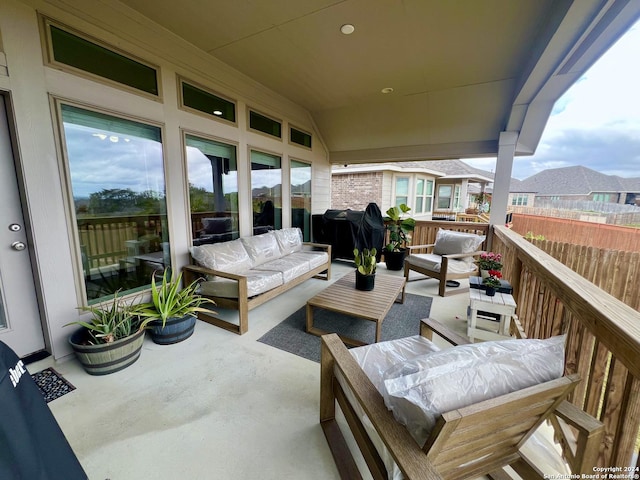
449, 242
229, 257
262, 248
421, 389
289, 240
258, 281
314, 258
290, 267
433, 262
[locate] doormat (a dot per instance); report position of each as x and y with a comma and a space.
51, 384
403, 320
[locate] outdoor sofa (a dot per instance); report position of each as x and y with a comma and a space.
244, 273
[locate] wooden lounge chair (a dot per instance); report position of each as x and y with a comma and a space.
450, 258
466, 443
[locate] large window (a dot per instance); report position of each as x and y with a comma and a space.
266, 191
445, 195
402, 191
301, 198
424, 195
264, 124
457, 201
117, 182
213, 190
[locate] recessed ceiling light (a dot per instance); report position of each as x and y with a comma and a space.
217, 112
347, 29
387, 90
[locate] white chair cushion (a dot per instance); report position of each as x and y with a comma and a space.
262, 248
449, 242
289, 240
257, 282
432, 262
421, 389
230, 257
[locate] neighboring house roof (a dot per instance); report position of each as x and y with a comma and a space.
577, 180
439, 168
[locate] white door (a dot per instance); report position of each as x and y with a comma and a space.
20, 326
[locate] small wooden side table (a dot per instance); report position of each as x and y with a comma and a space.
502, 304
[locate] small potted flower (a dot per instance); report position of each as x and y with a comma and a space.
489, 261
492, 282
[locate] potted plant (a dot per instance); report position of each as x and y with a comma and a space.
111, 340
399, 227
170, 316
365, 268
489, 261
492, 282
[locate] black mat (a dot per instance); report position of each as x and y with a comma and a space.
52, 384
403, 320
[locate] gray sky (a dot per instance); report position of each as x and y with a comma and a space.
596, 123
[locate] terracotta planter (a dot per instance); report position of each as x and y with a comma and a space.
365, 283
106, 358
175, 330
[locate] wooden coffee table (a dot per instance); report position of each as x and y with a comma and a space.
342, 297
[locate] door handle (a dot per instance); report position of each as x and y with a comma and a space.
18, 246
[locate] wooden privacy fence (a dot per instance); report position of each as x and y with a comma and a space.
603, 338
580, 233
616, 272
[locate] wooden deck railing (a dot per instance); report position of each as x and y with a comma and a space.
603, 338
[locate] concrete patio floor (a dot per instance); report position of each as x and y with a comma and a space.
216, 406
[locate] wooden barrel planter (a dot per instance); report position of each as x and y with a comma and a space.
176, 329
106, 358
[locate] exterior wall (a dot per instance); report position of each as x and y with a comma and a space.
31, 86
356, 190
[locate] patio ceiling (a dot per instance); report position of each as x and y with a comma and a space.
461, 71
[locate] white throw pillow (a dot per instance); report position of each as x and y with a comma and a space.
289, 240
449, 242
419, 390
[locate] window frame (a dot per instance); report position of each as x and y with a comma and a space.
181, 105
68, 198
49, 59
395, 189
260, 132
291, 142
310, 165
425, 195
451, 197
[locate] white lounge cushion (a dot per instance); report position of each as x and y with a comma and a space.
230, 257
449, 242
433, 262
258, 281
289, 240
314, 258
262, 248
290, 267
421, 389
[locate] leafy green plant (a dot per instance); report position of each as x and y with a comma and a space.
493, 280
110, 321
365, 260
399, 227
168, 301
531, 236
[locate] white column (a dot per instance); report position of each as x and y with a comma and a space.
502, 179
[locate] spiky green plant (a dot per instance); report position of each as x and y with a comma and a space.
111, 321
365, 260
169, 301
